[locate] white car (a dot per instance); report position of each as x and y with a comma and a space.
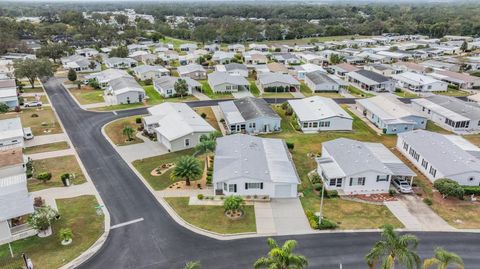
33, 104
27, 133
402, 185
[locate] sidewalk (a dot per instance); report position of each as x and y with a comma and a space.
51, 194
52, 154
95, 105
45, 139
218, 116
297, 94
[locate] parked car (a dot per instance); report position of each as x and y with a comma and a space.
402, 185
33, 104
27, 133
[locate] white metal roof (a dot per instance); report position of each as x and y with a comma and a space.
415, 78
317, 108
10, 128
387, 107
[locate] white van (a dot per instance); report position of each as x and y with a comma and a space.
27, 133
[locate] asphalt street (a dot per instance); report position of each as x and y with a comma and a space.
159, 242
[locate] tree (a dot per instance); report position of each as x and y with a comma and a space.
443, 259
233, 203
72, 75
187, 168
449, 187
181, 87
192, 265
32, 69
121, 19
54, 51
121, 52
94, 84
394, 248
4, 108
128, 132
464, 46
281, 257
42, 218
92, 65
207, 144
335, 58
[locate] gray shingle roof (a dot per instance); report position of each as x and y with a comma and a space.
247, 108
373, 76
217, 78
235, 66
319, 77
267, 78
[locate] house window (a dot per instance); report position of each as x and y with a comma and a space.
225, 186
424, 163
187, 142
359, 181
432, 171
251, 125
232, 187
382, 178
169, 91
228, 87
305, 125
405, 145
315, 125
253, 186
333, 182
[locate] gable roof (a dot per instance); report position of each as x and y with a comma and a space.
189, 68
247, 108
388, 108
177, 120
245, 156
317, 108
168, 82
149, 68
107, 75
125, 84
450, 107
370, 75
268, 78
319, 77
217, 78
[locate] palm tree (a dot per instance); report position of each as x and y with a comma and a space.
186, 168
394, 248
207, 144
128, 131
443, 259
281, 257
192, 265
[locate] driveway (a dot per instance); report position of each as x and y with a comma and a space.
143, 150
241, 94
416, 215
281, 217
45, 139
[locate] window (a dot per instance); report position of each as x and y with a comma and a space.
432, 171
187, 142
251, 125
225, 186
228, 87
324, 124
253, 186
405, 145
169, 91
424, 163
315, 125
333, 182
471, 178
232, 187
359, 181
305, 125
382, 178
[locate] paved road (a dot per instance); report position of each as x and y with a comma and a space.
158, 242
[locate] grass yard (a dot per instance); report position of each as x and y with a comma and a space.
114, 131
57, 166
43, 99
459, 214
308, 92
405, 94
209, 92
278, 95
212, 218
453, 92
46, 148
349, 214
45, 123
87, 95
28, 89
77, 214
210, 118
146, 166
357, 92
155, 98
307, 40
253, 88
433, 127
175, 41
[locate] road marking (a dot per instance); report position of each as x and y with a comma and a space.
125, 223
114, 113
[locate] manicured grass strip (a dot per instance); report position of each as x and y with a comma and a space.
43, 99
43, 121
209, 92
77, 214
453, 92
351, 215
146, 166
57, 166
433, 127
253, 88
46, 148
210, 117
357, 92
404, 94
87, 95
212, 218
114, 131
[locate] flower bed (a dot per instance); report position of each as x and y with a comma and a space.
162, 169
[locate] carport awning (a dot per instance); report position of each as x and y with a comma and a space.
400, 169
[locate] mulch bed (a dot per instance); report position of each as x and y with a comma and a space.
374, 197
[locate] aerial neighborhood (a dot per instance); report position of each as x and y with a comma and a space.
233, 127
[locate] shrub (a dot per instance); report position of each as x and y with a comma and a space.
65, 234
21, 100
392, 192
232, 202
44, 176
427, 201
315, 178
312, 219
4, 108
148, 82
34, 115
42, 218
290, 145
209, 173
313, 224
284, 105
38, 202
326, 224
289, 111
29, 168
469, 190
318, 186
203, 115
448, 187
64, 178
332, 194
200, 197
222, 120
138, 120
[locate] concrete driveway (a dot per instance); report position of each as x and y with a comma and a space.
241, 94
143, 150
281, 217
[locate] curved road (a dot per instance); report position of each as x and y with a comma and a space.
159, 242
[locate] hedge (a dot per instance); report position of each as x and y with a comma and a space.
469, 190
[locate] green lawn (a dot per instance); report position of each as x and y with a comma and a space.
209, 92
307, 40
433, 127
155, 98
175, 41
278, 95
77, 214
349, 214
405, 94
358, 93
114, 131
41, 120
212, 218
87, 95
253, 88
46, 148
307, 92
210, 116
43, 99
57, 166
146, 166
453, 92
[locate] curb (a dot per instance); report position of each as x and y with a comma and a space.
101, 240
